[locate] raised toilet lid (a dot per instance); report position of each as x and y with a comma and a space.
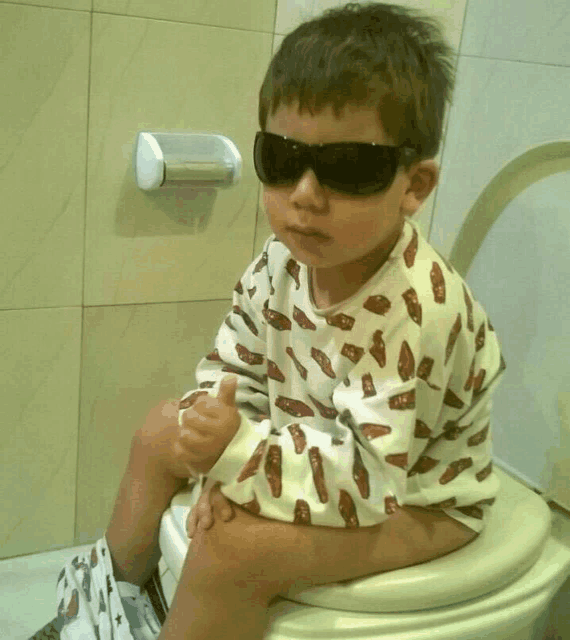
510, 545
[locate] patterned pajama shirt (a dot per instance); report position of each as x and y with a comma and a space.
381, 400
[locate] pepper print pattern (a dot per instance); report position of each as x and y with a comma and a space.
353, 411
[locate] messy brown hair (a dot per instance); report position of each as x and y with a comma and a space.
383, 55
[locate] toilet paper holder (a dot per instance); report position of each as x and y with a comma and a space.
184, 159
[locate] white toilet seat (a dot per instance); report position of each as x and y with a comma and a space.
504, 578
509, 546
511, 543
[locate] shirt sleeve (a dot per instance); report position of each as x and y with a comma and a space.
240, 347
355, 476
451, 461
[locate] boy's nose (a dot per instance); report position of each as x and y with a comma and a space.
309, 181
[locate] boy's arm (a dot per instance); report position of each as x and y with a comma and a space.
161, 454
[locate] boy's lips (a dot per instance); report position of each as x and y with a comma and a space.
310, 232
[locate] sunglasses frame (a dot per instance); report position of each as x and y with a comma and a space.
310, 155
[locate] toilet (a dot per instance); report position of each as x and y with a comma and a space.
498, 587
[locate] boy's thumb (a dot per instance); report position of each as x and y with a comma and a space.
227, 392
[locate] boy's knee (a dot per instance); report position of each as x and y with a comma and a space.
241, 556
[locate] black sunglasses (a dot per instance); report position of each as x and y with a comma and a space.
352, 168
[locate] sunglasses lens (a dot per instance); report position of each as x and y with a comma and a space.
353, 169
276, 160
357, 169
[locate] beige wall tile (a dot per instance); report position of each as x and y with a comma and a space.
251, 15
149, 75
134, 356
79, 5
42, 155
39, 395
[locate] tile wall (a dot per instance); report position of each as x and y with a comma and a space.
109, 297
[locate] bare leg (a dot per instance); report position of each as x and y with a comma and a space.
235, 569
229, 611
132, 535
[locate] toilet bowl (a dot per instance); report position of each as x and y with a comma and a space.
498, 587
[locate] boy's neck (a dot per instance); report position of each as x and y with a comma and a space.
335, 284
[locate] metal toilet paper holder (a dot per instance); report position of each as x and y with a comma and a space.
169, 159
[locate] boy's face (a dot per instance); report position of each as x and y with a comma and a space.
361, 230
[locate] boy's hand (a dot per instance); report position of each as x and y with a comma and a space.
166, 446
154, 444
201, 516
208, 426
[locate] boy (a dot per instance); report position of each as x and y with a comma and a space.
354, 436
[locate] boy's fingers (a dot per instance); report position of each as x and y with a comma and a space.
227, 390
191, 417
222, 505
191, 523
205, 520
201, 515
199, 519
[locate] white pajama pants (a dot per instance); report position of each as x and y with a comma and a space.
94, 606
